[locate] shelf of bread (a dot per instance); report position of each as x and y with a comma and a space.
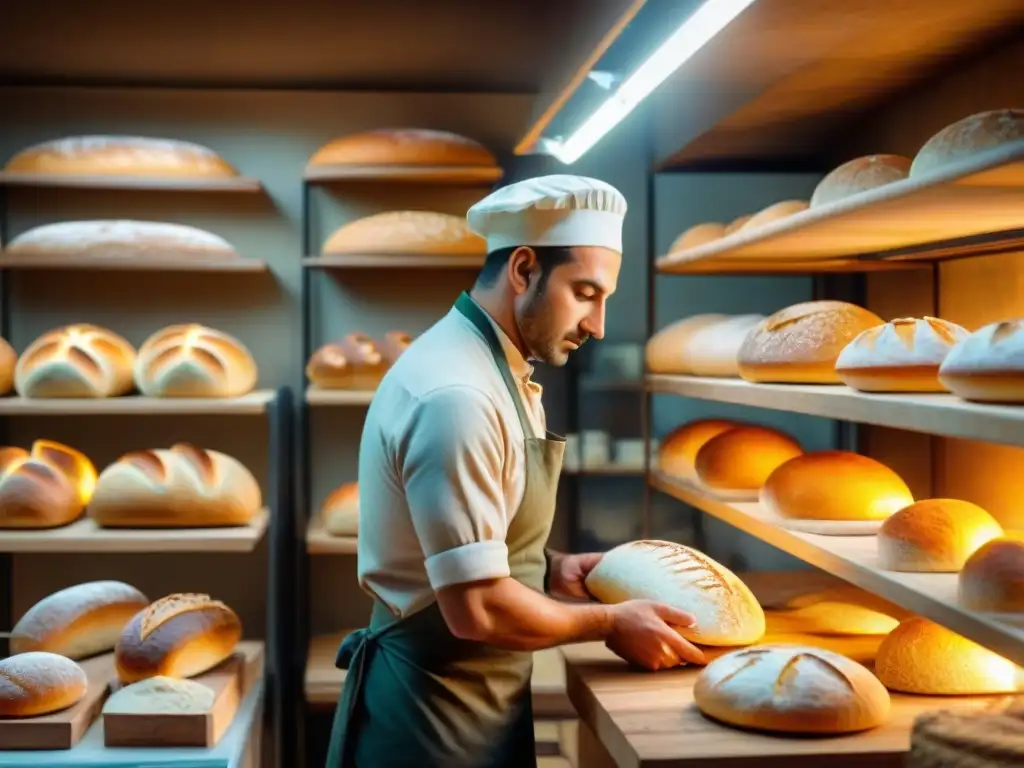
332, 530
250, 403
347, 371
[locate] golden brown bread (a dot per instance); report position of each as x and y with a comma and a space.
699, 234
677, 452
737, 462
988, 366
992, 579
340, 510
773, 213
354, 362
403, 146
191, 360
990, 736
934, 535
860, 175
38, 683
404, 232
737, 223
966, 137
120, 239
8, 360
79, 360
46, 488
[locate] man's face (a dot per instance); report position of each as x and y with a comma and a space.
558, 317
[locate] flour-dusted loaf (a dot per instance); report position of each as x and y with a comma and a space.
403, 146
121, 156
988, 366
736, 463
934, 535
967, 137
773, 213
697, 235
726, 611
191, 360
160, 696
340, 510
992, 579
714, 349
902, 355
860, 175
791, 689
8, 361
677, 452
800, 344
407, 232
353, 362
45, 488
78, 360
38, 683
78, 621
667, 351
180, 487
181, 635
125, 239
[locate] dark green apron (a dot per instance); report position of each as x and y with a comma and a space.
415, 695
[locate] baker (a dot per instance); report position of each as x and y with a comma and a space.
457, 485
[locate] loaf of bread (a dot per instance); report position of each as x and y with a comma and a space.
8, 360
184, 487
800, 344
78, 621
340, 510
38, 683
736, 463
714, 349
990, 736
791, 689
76, 361
902, 355
966, 137
393, 345
120, 239
677, 452
192, 360
160, 696
405, 232
403, 146
773, 213
354, 362
920, 656
860, 175
736, 224
45, 488
667, 350
121, 156
697, 235
181, 635
726, 610
831, 618
988, 366
992, 579
934, 536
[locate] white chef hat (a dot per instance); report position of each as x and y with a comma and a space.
551, 210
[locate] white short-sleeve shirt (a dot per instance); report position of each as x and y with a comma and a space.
441, 466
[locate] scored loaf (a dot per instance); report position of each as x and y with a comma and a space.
860, 175
773, 213
120, 239
8, 361
353, 362
791, 689
404, 232
726, 611
697, 235
988, 366
160, 696
38, 683
340, 510
183, 487
934, 536
121, 156
677, 452
191, 360
78, 360
181, 635
45, 488
966, 137
736, 463
403, 146
992, 579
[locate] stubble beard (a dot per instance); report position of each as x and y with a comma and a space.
539, 335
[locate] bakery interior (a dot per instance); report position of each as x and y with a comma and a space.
212, 247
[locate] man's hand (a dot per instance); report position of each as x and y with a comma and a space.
643, 633
568, 572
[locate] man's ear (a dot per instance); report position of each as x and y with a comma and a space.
521, 265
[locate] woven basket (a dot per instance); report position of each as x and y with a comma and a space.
985, 738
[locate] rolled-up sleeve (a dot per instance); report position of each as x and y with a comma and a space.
451, 453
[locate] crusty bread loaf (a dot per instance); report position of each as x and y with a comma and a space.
192, 360
792, 689
713, 350
38, 683
354, 362
966, 137
76, 361
988, 736
934, 535
677, 452
404, 232
697, 235
78, 621
120, 239
992, 579
121, 156
340, 510
736, 463
667, 350
800, 344
860, 175
736, 224
726, 610
902, 355
988, 366
773, 213
45, 488
181, 635
920, 656
8, 360
403, 146
160, 696
184, 487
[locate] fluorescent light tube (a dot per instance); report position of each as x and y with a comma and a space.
710, 19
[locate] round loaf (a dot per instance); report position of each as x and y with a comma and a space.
405, 232
340, 510
76, 361
38, 683
184, 487
120, 239
988, 366
726, 611
966, 137
934, 536
121, 156
160, 696
920, 656
992, 579
773, 213
192, 360
860, 175
902, 355
736, 224
46, 488
677, 452
667, 351
697, 235
791, 689
991, 736
800, 344
713, 349
736, 463
354, 362
403, 146
181, 635
78, 621
8, 360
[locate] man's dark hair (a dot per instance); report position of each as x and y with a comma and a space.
548, 256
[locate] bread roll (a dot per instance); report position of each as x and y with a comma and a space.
713, 349
700, 234
403, 232
181, 635
340, 510
121, 156
791, 689
78, 621
920, 656
8, 360
39, 683
667, 350
773, 213
46, 488
966, 137
677, 452
990, 736
354, 362
736, 463
737, 223
988, 366
160, 696
934, 536
403, 146
800, 344
192, 360
860, 175
992, 579
902, 355
726, 610
76, 361
120, 239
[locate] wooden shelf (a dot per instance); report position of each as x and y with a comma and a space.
425, 174
611, 469
85, 536
254, 402
939, 414
167, 262
104, 181
316, 396
392, 261
320, 542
